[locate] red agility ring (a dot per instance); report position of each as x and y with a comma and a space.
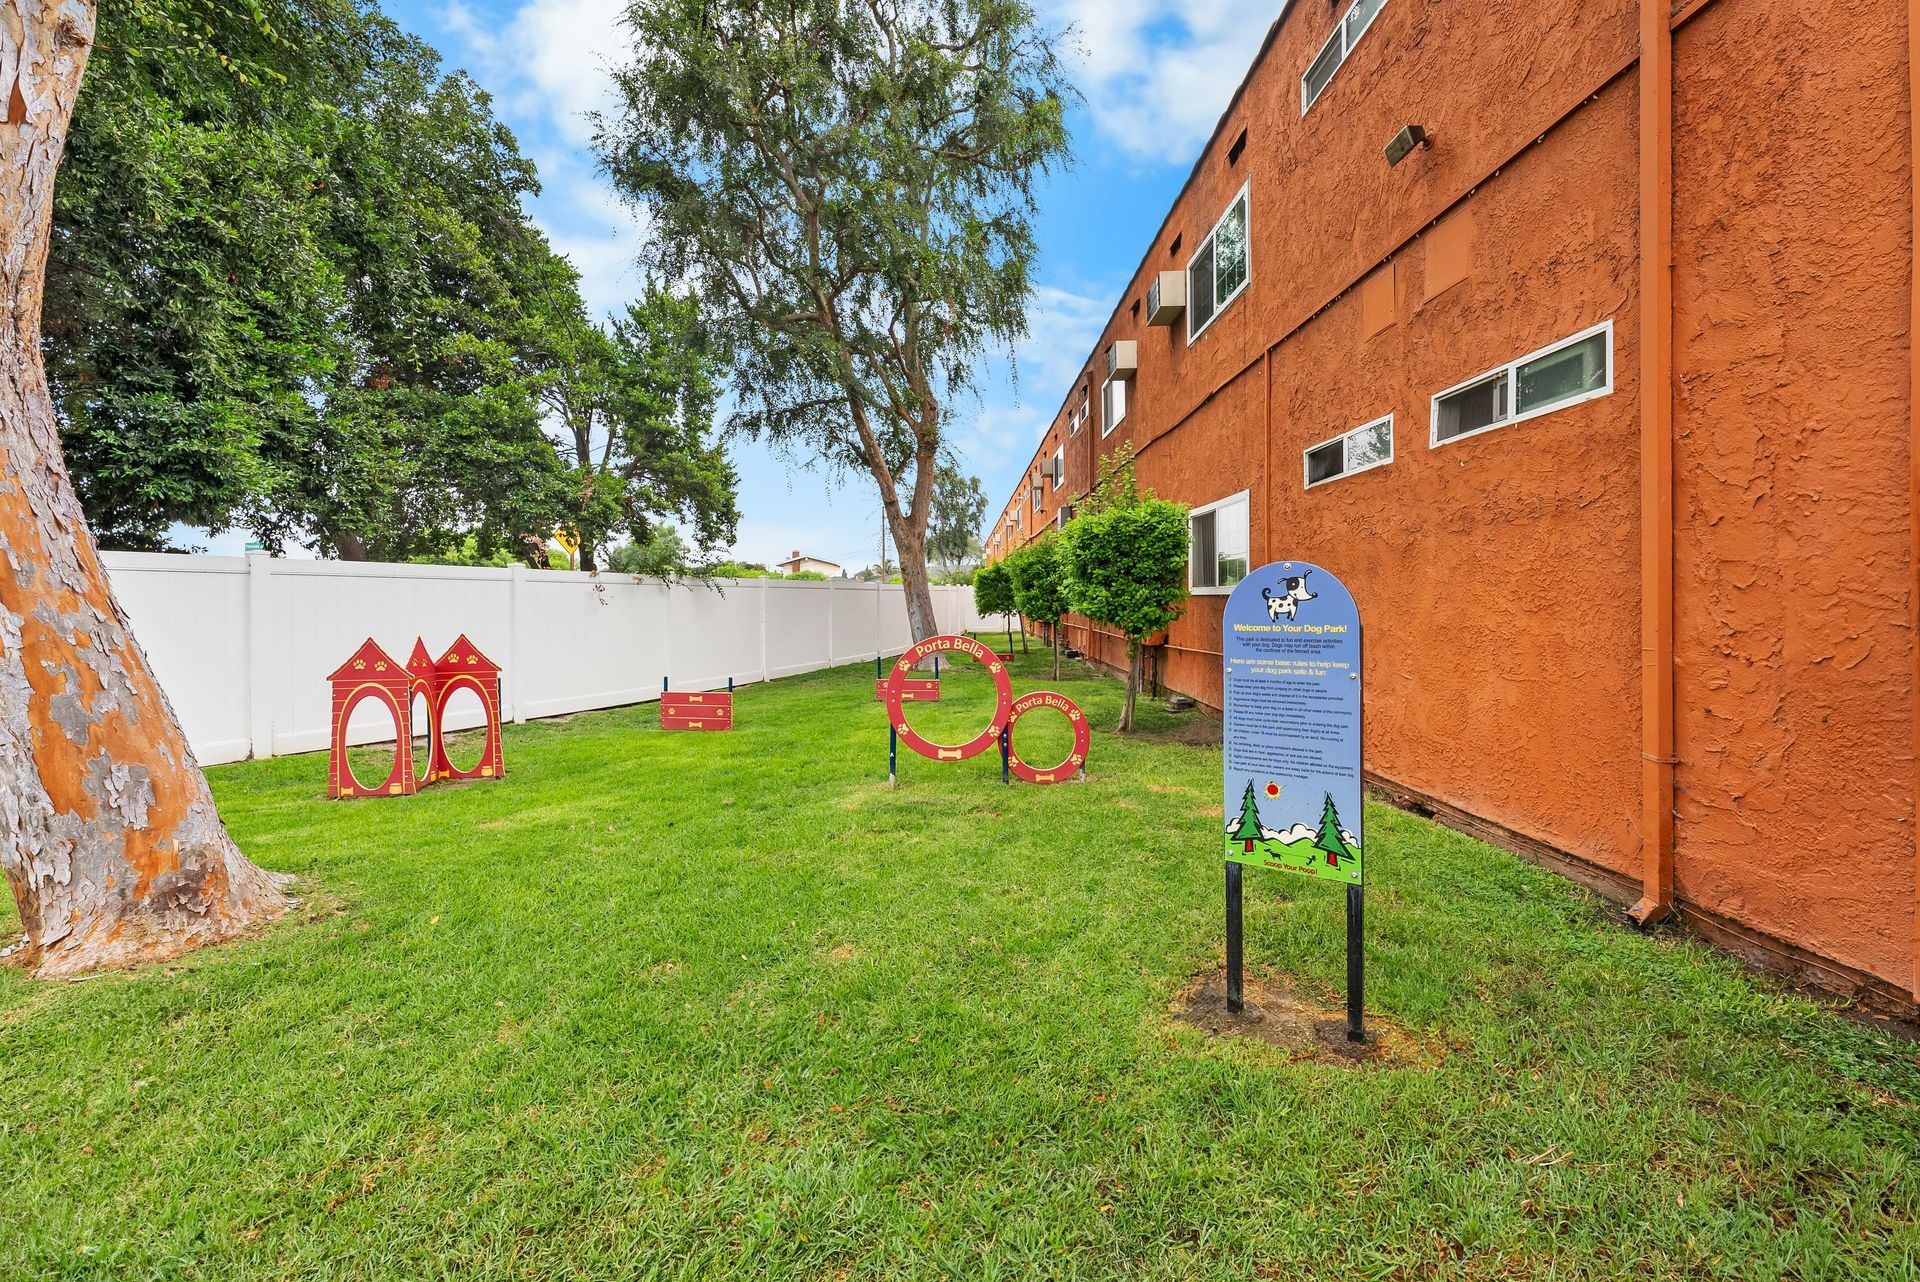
1082, 738
894, 693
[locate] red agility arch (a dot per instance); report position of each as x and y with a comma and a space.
895, 692
1082, 738
463, 667
371, 673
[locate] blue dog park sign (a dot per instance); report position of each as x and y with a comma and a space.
1291, 654
1291, 677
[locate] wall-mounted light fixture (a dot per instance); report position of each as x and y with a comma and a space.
1406, 140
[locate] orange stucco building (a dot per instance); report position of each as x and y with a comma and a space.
1635, 548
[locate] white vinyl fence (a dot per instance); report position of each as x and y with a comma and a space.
243, 645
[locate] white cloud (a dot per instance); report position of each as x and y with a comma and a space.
553, 58
1062, 327
1157, 75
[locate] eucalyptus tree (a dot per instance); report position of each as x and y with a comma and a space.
848, 190
111, 845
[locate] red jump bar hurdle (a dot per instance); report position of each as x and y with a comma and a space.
704, 710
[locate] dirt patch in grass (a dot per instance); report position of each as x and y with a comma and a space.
1306, 1030
1194, 728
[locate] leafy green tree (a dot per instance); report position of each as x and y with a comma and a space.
848, 189
190, 284
1329, 838
993, 593
737, 570
467, 552
430, 429
661, 553
1117, 485
636, 408
306, 298
1040, 588
1013, 561
1126, 567
953, 528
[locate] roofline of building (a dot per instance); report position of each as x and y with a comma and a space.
1153, 242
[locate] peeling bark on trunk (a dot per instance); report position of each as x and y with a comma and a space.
112, 846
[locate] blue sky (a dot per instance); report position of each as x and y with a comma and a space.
1155, 75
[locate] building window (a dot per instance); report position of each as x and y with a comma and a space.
1218, 271
1059, 467
1061, 517
1037, 491
1369, 445
1113, 404
1217, 555
1571, 371
1353, 25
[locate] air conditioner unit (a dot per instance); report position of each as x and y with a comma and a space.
1166, 298
1123, 358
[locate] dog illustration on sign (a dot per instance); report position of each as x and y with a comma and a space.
1293, 591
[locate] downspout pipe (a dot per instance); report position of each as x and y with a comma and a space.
1656, 463
1913, 441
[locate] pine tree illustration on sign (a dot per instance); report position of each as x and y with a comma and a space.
1248, 828
1329, 837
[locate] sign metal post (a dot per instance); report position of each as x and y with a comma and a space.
1236, 985
1356, 968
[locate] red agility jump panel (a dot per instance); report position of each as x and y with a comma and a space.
706, 710
912, 690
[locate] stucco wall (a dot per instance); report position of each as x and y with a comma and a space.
1500, 575
1792, 210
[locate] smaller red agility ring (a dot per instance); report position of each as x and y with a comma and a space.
895, 695
1082, 738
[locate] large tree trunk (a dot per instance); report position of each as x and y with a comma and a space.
911, 543
111, 843
347, 545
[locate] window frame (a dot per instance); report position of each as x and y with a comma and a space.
1059, 466
1346, 51
1244, 498
1510, 372
1107, 421
1306, 480
1220, 305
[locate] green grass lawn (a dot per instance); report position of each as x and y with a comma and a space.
723, 1005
